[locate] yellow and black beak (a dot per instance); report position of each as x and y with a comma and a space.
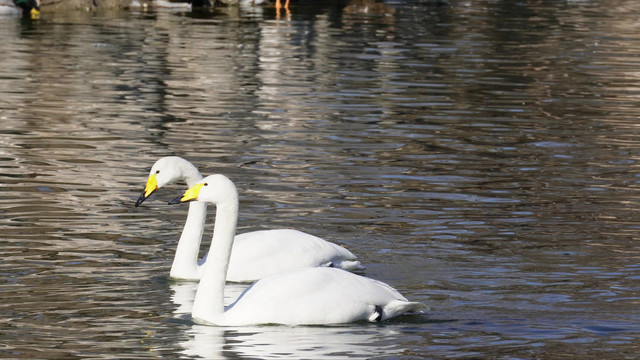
35, 13
189, 195
152, 185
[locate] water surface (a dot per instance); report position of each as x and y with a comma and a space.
479, 156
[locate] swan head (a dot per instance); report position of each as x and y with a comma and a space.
168, 170
215, 189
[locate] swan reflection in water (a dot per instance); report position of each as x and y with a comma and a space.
293, 342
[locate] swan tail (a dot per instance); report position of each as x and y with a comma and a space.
349, 265
396, 308
376, 315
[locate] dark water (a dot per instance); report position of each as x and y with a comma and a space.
480, 156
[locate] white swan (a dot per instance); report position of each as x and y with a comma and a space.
255, 254
304, 296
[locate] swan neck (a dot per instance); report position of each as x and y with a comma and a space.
185, 261
190, 173
209, 301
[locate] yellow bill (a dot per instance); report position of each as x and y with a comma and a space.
152, 185
149, 188
192, 193
189, 195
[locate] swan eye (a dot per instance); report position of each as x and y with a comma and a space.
206, 184
157, 171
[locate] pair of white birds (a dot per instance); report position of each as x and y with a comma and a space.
301, 279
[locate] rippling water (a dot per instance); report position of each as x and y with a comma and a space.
480, 156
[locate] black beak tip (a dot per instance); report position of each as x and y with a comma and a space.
175, 200
141, 199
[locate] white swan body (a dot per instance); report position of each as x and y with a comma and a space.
304, 296
255, 254
259, 253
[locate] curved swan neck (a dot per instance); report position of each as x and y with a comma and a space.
188, 171
209, 301
185, 261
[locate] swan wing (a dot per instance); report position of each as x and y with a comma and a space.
310, 296
261, 253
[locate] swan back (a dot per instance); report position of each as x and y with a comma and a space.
260, 253
311, 296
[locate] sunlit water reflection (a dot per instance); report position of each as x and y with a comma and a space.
479, 156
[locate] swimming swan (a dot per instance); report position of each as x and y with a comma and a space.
255, 254
304, 296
